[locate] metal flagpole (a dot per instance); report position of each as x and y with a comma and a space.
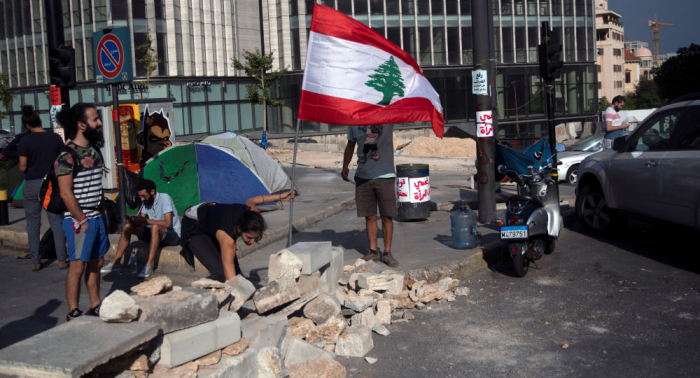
291, 202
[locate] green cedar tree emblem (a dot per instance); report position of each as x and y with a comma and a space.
387, 80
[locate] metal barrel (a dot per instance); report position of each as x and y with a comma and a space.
413, 191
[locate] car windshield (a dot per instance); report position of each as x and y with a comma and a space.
588, 143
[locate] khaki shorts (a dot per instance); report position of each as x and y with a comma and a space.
377, 192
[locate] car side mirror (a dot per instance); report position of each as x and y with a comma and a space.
502, 169
560, 147
620, 144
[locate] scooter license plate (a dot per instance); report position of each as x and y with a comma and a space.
514, 232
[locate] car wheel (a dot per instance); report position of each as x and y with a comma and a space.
572, 175
593, 212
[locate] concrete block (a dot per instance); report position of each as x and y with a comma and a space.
381, 330
153, 287
62, 352
275, 294
374, 282
236, 348
300, 327
299, 351
333, 272
356, 341
178, 309
265, 363
322, 308
359, 304
318, 368
118, 307
264, 331
309, 282
188, 344
284, 266
327, 332
313, 255
426, 293
367, 318
299, 303
395, 285
383, 314
241, 290
447, 284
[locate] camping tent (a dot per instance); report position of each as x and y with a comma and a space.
253, 157
201, 173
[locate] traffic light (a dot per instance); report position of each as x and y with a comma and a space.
62, 66
550, 60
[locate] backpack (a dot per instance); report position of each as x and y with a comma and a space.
112, 218
49, 194
47, 248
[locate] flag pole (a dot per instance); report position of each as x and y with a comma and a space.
291, 203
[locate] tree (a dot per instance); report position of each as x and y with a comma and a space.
149, 58
257, 66
646, 95
5, 96
604, 104
387, 80
679, 75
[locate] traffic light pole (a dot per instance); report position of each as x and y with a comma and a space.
53, 9
484, 60
550, 63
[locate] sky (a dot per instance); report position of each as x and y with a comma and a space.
684, 14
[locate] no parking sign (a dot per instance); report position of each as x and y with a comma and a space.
112, 52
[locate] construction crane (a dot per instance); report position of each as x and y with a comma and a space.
654, 25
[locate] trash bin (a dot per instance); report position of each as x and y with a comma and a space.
413, 191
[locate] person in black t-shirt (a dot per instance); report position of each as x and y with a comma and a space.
210, 231
37, 151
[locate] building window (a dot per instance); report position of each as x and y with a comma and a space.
628, 77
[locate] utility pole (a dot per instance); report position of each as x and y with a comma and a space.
483, 76
550, 64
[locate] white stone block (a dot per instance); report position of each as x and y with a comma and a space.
332, 274
314, 255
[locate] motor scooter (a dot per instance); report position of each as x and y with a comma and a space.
532, 220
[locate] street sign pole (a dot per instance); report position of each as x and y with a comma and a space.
120, 158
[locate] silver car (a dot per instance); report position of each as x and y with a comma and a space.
653, 173
572, 158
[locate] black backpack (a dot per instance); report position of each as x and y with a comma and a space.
47, 248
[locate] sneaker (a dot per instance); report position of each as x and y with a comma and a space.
95, 311
388, 259
372, 255
63, 264
146, 272
74, 314
36, 267
111, 267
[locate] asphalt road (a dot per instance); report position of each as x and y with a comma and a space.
625, 306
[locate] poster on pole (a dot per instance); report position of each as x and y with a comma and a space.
480, 82
484, 124
56, 106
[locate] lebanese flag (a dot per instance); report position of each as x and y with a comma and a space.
354, 76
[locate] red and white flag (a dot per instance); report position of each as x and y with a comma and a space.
354, 76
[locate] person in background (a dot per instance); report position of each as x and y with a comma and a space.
37, 151
613, 121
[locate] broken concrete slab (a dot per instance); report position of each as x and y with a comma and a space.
395, 285
236, 348
350, 278
322, 308
188, 344
299, 303
264, 331
358, 304
275, 294
241, 290
299, 351
383, 314
153, 287
426, 293
309, 282
313, 255
381, 330
212, 358
118, 307
318, 368
462, 291
447, 284
328, 331
207, 283
333, 272
178, 310
373, 281
356, 341
300, 327
265, 363
61, 351
284, 266
366, 317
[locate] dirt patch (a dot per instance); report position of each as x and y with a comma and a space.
445, 147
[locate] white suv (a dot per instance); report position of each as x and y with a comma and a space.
654, 172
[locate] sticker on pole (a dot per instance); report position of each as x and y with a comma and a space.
113, 56
484, 124
480, 82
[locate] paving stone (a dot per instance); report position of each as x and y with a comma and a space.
383, 314
275, 294
300, 327
313, 255
299, 351
236, 348
332, 273
356, 341
153, 286
365, 318
188, 344
381, 330
264, 331
447, 284
207, 283
241, 290
299, 303
61, 351
177, 310
328, 331
309, 282
212, 358
322, 308
358, 304
119, 307
284, 266
462, 291
318, 368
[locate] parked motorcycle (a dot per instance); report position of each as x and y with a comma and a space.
532, 220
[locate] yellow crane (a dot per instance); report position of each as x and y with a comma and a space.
654, 25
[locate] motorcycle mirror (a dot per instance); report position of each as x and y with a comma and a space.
560, 147
502, 169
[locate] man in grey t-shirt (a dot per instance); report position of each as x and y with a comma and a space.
375, 183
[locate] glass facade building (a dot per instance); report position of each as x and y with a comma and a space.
196, 40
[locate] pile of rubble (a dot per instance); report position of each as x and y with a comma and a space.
311, 310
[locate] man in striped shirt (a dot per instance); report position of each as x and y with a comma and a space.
613, 121
81, 192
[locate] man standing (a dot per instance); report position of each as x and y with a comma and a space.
37, 151
613, 121
157, 223
83, 225
375, 184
